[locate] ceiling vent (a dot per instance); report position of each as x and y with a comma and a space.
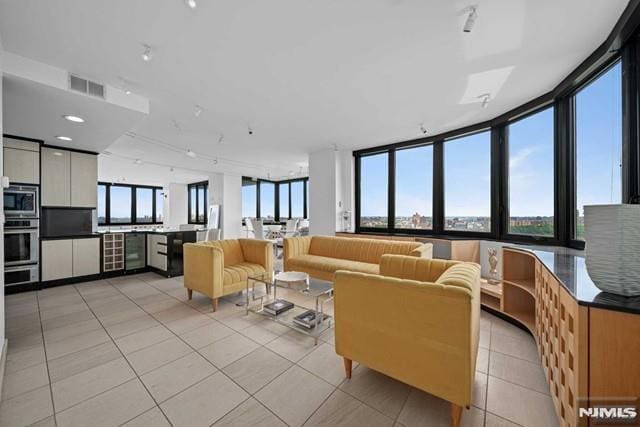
86, 86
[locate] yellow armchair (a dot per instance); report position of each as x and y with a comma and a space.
418, 322
219, 268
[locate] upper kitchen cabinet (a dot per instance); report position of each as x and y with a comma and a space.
21, 161
84, 180
69, 178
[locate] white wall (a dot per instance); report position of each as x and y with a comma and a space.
345, 193
1, 218
226, 190
175, 205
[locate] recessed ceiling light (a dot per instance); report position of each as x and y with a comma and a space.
57, 153
471, 19
127, 92
191, 154
64, 138
147, 54
138, 162
191, 3
74, 119
198, 111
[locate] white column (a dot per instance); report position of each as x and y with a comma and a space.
176, 205
226, 190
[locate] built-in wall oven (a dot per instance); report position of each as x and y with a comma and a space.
21, 201
20, 242
21, 235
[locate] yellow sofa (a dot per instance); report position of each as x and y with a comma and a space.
417, 321
219, 268
322, 256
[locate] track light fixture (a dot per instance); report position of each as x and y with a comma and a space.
191, 154
198, 111
423, 129
191, 3
138, 162
221, 139
215, 161
471, 19
147, 54
250, 130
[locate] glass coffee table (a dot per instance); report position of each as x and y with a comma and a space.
314, 324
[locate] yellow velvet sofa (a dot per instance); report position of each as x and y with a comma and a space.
322, 256
219, 268
418, 321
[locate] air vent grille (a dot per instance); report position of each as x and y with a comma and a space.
86, 86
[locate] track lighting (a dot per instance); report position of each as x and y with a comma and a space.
64, 138
138, 162
221, 139
215, 161
250, 130
127, 92
147, 54
471, 19
423, 129
191, 3
74, 119
191, 154
198, 111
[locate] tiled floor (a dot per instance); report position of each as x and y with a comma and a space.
134, 351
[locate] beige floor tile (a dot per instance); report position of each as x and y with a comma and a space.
89, 383
479, 393
24, 359
240, 320
152, 418
485, 339
26, 342
163, 304
329, 337
187, 324
518, 371
340, 409
67, 320
257, 369
110, 408
492, 420
25, 380
205, 402
173, 314
47, 422
145, 338
26, 408
176, 376
152, 357
482, 362
76, 343
228, 350
259, 334
325, 363
250, 413
519, 404
423, 409
57, 334
207, 334
294, 395
129, 327
113, 317
62, 310
516, 347
499, 326
377, 390
292, 345
80, 361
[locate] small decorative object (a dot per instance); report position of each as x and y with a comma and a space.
277, 307
612, 235
293, 279
308, 319
493, 264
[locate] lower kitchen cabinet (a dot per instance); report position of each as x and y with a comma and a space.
65, 258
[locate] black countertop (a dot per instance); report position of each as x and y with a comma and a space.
75, 236
148, 231
568, 265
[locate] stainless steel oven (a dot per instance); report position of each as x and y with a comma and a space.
21, 274
21, 201
20, 242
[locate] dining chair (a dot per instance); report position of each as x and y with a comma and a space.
249, 228
212, 234
258, 228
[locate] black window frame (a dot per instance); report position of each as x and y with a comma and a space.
157, 192
202, 185
277, 184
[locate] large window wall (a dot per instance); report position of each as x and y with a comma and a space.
198, 202
414, 188
274, 200
122, 204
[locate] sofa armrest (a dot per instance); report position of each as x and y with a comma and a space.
429, 326
258, 252
203, 269
295, 246
424, 251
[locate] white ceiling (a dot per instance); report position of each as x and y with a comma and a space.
304, 75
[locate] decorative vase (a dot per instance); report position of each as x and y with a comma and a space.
612, 235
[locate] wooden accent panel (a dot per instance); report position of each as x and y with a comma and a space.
614, 349
465, 250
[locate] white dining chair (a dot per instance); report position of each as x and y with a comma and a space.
258, 228
212, 234
248, 224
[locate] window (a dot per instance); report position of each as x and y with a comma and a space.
249, 198
598, 130
198, 202
284, 200
374, 188
531, 176
159, 195
267, 200
102, 204
120, 205
144, 205
414, 188
297, 199
467, 183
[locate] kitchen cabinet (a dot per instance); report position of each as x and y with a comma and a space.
65, 258
57, 259
86, 256
21, 161
84, 180
69, 178
56, 177
157, 251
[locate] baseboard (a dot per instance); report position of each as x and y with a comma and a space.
3, 363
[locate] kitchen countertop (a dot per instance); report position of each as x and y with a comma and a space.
79, 236
147, 231
569, 267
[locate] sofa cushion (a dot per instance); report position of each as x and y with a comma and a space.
413, 268
240, 272
463, 275
231, 249
328, 264
361, 250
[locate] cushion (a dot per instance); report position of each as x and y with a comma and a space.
462, 275
327, 264
413, 268
231, 248
361, 250
240, 272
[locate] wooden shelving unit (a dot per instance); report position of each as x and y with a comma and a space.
490, 294
519, 287
113, 250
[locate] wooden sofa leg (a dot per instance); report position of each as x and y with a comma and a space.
214, 304
347, 367
456, 415
189, 293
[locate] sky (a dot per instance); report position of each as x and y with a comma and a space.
531, 181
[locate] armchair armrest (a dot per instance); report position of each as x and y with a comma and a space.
203, 268
424, 251
295, 246
258, 252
